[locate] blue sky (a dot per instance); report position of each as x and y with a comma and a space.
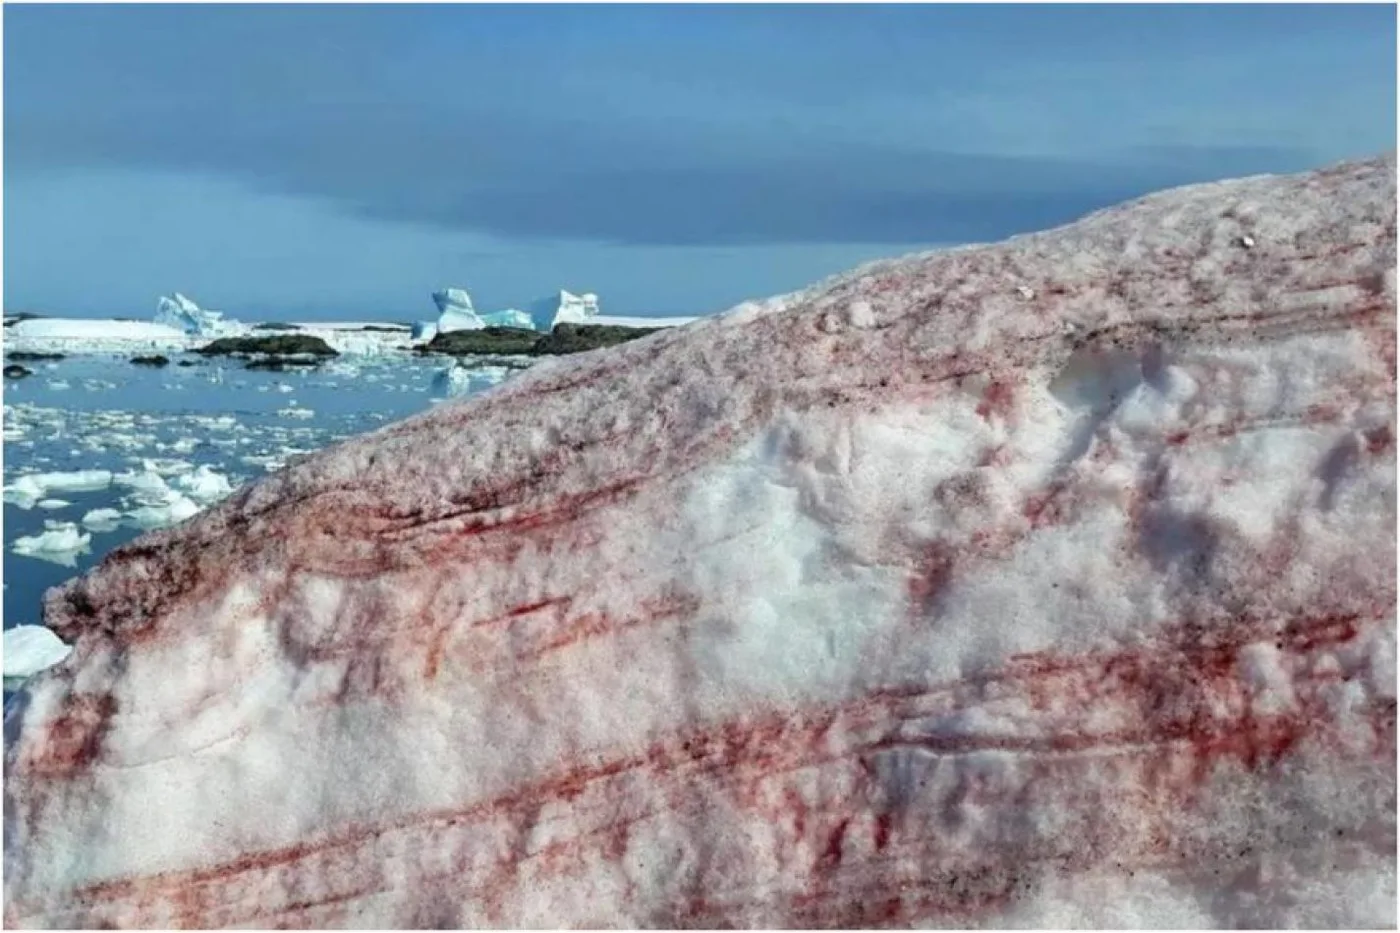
343, 161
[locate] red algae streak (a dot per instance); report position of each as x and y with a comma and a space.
885, 631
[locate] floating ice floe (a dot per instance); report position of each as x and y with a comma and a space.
53, 504
204, 486
296, 411
145, 482
464, 380
102, 520
171, 509
59, 543
29, 649
28, 490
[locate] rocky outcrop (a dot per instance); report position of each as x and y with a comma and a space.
276, 345
576, 338
563, 339
1048, 583
29, 356
497, 340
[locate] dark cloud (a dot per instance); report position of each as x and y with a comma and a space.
610, 183
379, 118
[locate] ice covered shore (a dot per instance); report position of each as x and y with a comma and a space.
1046, 583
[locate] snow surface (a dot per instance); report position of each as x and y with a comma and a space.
624, 321
78, 335
105, 336
906, 600
29, 649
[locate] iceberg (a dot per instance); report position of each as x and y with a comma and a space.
29, 649
510, 317
566, 308
1046, 583
456, 311
184, 315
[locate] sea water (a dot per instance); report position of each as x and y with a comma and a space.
105, 413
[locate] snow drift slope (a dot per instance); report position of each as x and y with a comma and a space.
1045, 583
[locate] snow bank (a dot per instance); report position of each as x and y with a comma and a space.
1049, 583
74, 335
623, 321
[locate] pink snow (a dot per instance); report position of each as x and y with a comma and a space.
1047, 583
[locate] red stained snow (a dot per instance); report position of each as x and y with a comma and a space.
929, 801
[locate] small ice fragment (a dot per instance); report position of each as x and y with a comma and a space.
175, 509
59, 543
144, 482
53, 503
1025, 292
204, 485
102, 520
1247, 241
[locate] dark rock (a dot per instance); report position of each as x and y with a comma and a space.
186, 363
29, 355
387, 328
280, 345
277, 364
16, 371
274, 325
576, 338
156, 360
565, 338
504, 340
